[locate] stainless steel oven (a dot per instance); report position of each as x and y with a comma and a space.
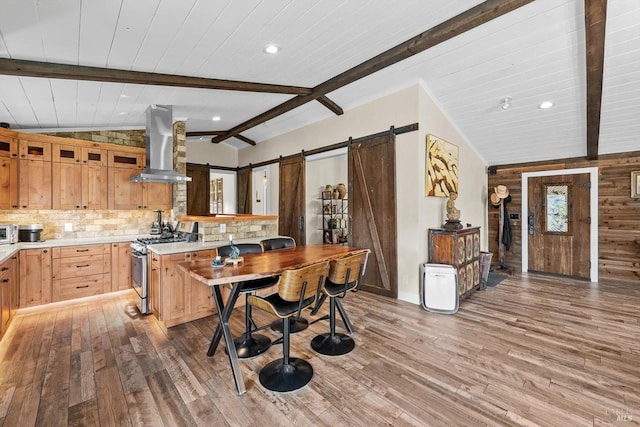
140, 280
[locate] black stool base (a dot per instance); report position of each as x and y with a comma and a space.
295, 325
278, 377
335, 345
251, 345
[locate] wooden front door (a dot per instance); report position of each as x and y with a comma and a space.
198, 189
558, 225
243, 190
372, 211
291, 204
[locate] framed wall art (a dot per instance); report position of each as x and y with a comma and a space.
635, 184
441, 175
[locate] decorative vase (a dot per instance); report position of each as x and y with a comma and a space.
328, 192
336, 194
342, 191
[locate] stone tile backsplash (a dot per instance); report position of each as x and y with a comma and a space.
210, 231
91, 223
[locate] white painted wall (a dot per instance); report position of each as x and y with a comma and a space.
228, 189
259, 194
327, 168
416, 212
204, 152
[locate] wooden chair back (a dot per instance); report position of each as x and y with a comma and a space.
292, 282
348, 269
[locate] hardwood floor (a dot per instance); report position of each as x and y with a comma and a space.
532, 351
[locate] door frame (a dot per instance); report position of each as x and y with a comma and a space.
593, 208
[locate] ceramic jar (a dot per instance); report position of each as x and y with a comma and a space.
342, 191
328, 192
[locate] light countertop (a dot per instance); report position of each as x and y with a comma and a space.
7, 251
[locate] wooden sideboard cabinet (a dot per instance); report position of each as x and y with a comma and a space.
461, 249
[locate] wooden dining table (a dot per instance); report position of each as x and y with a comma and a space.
253, 266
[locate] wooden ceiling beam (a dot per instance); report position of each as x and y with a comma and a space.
335, 108
17, 67
206, 133
243, 139
595, 17
468, 20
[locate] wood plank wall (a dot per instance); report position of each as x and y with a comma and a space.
619, 214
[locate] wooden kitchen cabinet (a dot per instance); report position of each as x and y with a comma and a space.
35, 277
183, 299
120, 266
34, 177
79, 177
123, 194
157, 195
461, 249
8, 172
8, 292
154, 291
80, 271
8, 183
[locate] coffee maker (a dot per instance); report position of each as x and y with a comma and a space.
156, 227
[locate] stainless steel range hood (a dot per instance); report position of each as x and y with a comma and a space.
159, 144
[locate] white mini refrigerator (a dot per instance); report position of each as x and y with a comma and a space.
439, 288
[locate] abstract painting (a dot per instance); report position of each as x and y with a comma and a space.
441, 175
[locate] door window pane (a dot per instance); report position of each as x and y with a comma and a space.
557, 208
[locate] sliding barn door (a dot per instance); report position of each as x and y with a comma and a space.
198, 189
243, 191
372, 211
291, 207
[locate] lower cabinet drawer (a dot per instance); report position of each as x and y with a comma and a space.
79, 266
79, 287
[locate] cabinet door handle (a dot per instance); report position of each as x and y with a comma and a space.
45, 251
80, 266
83, 286
5, 281
82, 250
4, 268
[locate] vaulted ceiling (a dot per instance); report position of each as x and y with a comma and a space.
534, 53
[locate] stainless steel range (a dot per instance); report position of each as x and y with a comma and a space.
185, 232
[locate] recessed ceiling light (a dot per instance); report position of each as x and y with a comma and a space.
122, 95
272, 48
216, 118
123, 113
546, 104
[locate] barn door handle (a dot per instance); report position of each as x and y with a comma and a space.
531, 224
301, 222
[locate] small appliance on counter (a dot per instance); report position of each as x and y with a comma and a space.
29, 233
8, 234
156, 227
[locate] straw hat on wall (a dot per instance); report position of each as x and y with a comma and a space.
501, 191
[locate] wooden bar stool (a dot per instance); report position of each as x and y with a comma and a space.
250, 344
345, 275
297, 289
295, 324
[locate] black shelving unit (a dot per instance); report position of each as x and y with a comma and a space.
335, 227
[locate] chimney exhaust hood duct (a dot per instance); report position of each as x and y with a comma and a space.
159, 145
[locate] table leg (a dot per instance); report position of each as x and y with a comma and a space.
223, 329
